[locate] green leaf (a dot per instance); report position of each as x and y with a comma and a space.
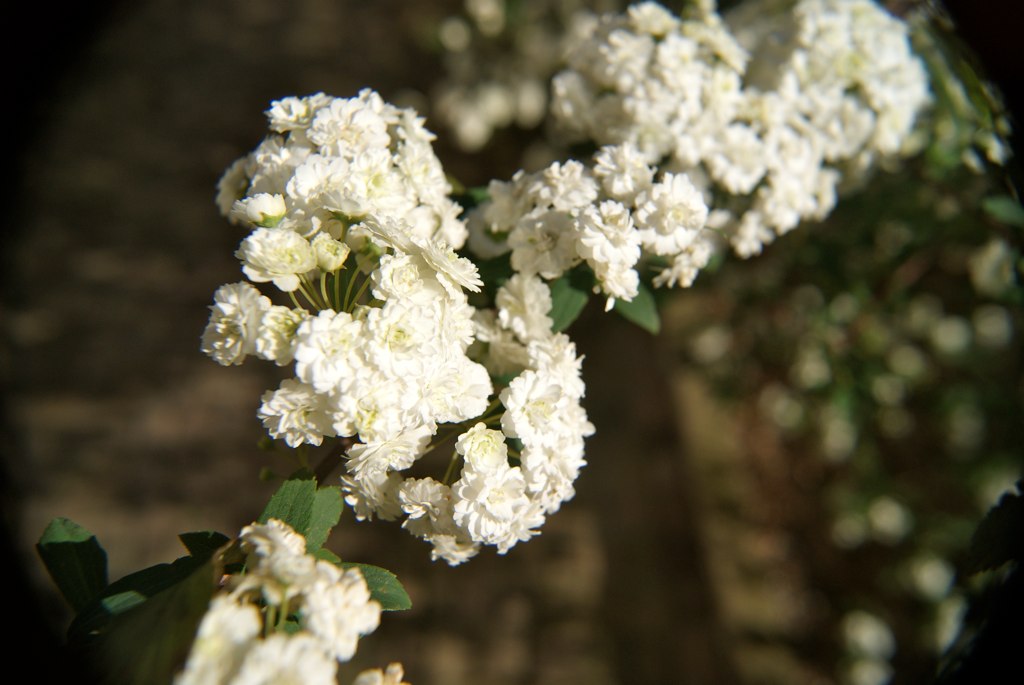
327, 555
204, 543
384, 587
1005, 209
999, 537
310, 511
569, 295
129, 592
75, 560
293, 504
643, 310
149, 642
327, 506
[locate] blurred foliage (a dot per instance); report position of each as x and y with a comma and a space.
884, 346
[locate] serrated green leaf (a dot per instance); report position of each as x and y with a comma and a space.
384, 587
203, 543
569, 295
1005, 209
642, 310
293, 504
75, 560
999, 537
327, 506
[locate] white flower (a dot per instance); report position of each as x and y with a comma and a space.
429, 505
533, 402
277, 255
235, 317
452, 271
504, 353
555, 357
275, 340
652, 18
294, 114
396, 453
225, 635
611, 246
493, 507
425, 498
261, 209
455, 391
276, 562
296, 413
346, 127
524, 303
328, 349
398, 277
287, 660
391, 676
543, 243
550, 474
337, 609
736, 159
454, 549
318, 182
423, 171
374, 494
508, 201
373, 186
330, 253
686, 264
623, 172
564, 187
233, 184
670, 214
751, 235
484, 449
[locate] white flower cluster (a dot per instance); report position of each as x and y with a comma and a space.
762, 126
330, 162
382, 354
606, 214
542, 427
499, 57
333, 608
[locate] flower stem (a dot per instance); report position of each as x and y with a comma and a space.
362, 289
450, 471
310, 293
348, 291
327, 465
282, 617
271, 622
323, 290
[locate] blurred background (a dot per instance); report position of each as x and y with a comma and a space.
783, 484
